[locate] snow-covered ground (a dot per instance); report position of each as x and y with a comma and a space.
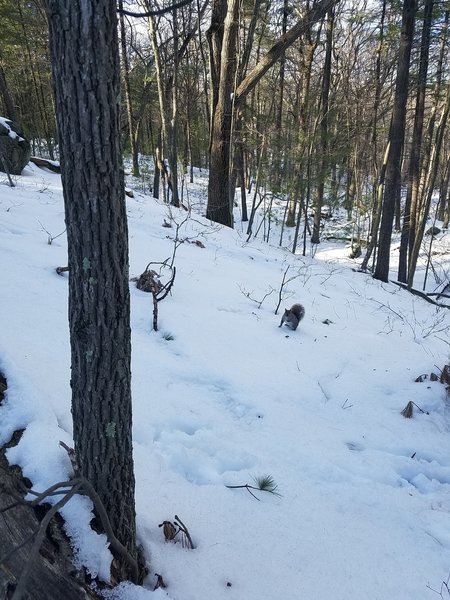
221, 396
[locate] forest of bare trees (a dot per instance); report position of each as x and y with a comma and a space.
326, 105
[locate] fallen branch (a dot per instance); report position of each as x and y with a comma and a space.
423, 295
265, 483
47, 164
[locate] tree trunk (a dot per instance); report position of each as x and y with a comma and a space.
223, 72
377, 208
86, 75
126, 80
277, 177
443, 194
222, 38
429, 187
412, 191
324, 108
428, 138
172, 150
314, 15
41, 105
378, 178
396, 139
164, 137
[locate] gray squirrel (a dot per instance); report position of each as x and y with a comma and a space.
292, 316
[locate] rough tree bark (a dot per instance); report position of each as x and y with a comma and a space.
395, 142
85, 65
223, 40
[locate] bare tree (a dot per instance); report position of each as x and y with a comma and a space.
395, 141
227, 94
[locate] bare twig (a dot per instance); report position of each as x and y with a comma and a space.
265, 483
184, 529
154, 13
40, 495
258, 302
51, 237
444, 585
171, 530
284, 283
247, 487
389, 308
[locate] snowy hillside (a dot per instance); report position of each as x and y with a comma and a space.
222, 395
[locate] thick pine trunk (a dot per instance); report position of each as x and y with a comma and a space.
85, 62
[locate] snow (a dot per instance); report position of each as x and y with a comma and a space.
6, 124
364, 510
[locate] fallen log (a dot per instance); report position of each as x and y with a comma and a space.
51, 573
51, 165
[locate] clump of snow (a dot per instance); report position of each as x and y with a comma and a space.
221, 394
11, 133
128, 591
